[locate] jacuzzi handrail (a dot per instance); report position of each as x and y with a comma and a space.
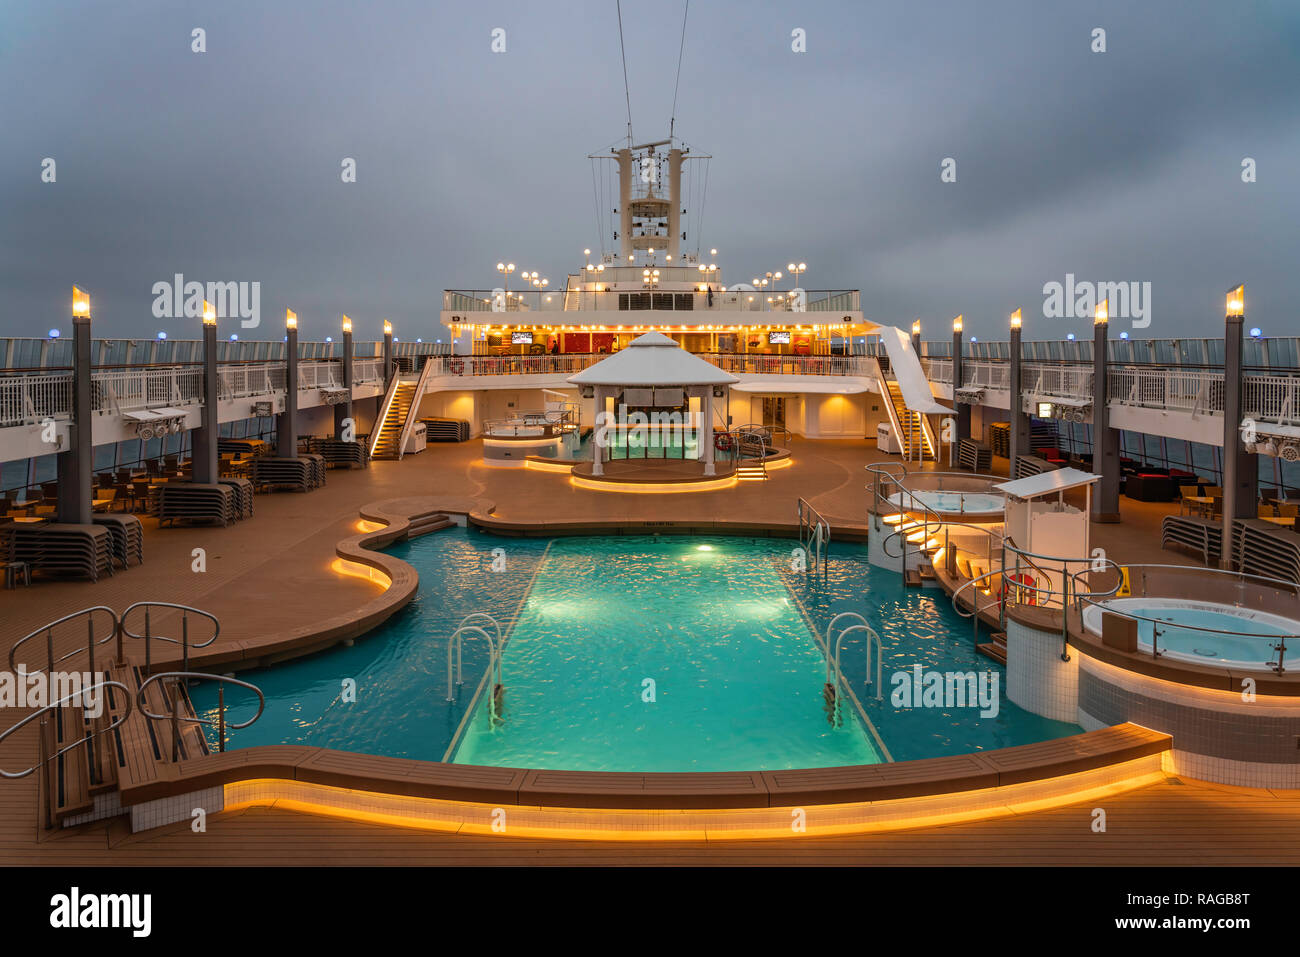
176, 717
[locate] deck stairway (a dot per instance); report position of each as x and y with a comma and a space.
913, 430
751, 472
387, 443
428, 522
128, 756
925, 540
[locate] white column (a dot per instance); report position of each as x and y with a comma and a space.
706, 431
597, 452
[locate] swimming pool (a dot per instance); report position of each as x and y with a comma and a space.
649, 653
968, 503
1252, 644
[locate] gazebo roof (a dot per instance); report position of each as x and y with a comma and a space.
653, 359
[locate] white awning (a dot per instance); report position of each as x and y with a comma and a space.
153, 415
1047, 483
906, 365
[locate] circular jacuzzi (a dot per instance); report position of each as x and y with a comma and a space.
982, 504
1208, 633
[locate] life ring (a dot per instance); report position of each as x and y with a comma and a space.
457, 366
722, 442
1024, 578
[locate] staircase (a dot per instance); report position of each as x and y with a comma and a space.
927, 542
388, 437
995, 649
428, 522
912, 434
751, 472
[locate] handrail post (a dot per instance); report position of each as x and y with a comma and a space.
221, 717
176, 720
44, 783
148, 633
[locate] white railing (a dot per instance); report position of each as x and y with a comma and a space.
28, 399
984, 374
938, 370
320, 374
1067, 381
125, 389
1193, 390
367, 370
249, 379
1271, 398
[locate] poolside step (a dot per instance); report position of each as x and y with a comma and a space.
751, 473
71, 777
912, 578
993, 650
424, 524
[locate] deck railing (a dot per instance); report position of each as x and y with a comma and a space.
631, 302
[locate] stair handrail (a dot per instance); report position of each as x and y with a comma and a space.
48, 631
175, 717
73, 698
413, 412
148, 636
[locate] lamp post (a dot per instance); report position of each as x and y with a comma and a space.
204, 453
286, 433
1240, 470
343, 411
388, 354
1019, 421
916, 337
1105, 440
963, 410
74, 465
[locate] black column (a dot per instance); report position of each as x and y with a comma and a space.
204, 454
1105, 440
75, 465
388, 356
963, 410
1019, 421
1240, 468
286, 426
343, 410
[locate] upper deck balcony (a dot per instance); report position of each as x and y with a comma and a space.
688, 306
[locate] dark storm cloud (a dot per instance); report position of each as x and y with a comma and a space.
225, 165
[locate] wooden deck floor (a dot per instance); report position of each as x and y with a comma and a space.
273, 571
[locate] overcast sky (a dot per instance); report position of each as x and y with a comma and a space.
225, 165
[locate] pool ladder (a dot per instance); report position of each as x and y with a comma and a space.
474, 626
835, 675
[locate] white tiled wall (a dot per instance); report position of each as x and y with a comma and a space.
179, 808
1037, 679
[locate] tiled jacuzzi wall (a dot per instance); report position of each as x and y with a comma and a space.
1219, 736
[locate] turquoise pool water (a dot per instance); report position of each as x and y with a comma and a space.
653, 653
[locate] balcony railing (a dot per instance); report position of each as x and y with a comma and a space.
650, 299
31, 398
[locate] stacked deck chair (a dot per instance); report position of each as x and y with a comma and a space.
79, 550
127, 537
446, 430
271, 473
243, 495
317, 466
196, 502
339, 454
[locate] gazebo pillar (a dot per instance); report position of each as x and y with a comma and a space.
601, 437
706, 429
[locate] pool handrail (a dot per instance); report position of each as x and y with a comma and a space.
48, 630
43, 735
456, 642
176, 717
148, 636
818, 534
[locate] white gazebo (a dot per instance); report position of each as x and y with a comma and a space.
654, 371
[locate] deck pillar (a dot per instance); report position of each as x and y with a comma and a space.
286, 424
1240, 468
388, 356
963, 410
601, 437
706, 429
204, 452
75, 464
343, 411
1105, 440
1019, 421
